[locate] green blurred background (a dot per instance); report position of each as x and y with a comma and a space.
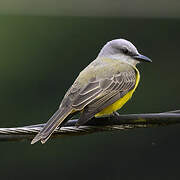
40, 56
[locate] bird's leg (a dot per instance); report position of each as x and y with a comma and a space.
115, 114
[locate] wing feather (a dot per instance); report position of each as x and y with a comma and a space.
86, 99
120, 85
90, 87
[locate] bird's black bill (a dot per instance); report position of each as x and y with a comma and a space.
143, 58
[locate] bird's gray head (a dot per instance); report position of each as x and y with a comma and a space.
123, 50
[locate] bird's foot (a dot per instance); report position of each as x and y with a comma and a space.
115, 114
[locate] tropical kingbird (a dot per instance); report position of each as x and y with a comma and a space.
102, 88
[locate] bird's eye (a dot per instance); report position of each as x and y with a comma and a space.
125, 51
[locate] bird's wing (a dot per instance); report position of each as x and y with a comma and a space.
98, 95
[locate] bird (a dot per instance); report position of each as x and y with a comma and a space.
102, 88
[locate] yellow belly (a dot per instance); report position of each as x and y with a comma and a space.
119, 103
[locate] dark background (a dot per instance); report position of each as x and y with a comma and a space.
39, 59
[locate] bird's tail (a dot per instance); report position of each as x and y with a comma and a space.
51, 125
